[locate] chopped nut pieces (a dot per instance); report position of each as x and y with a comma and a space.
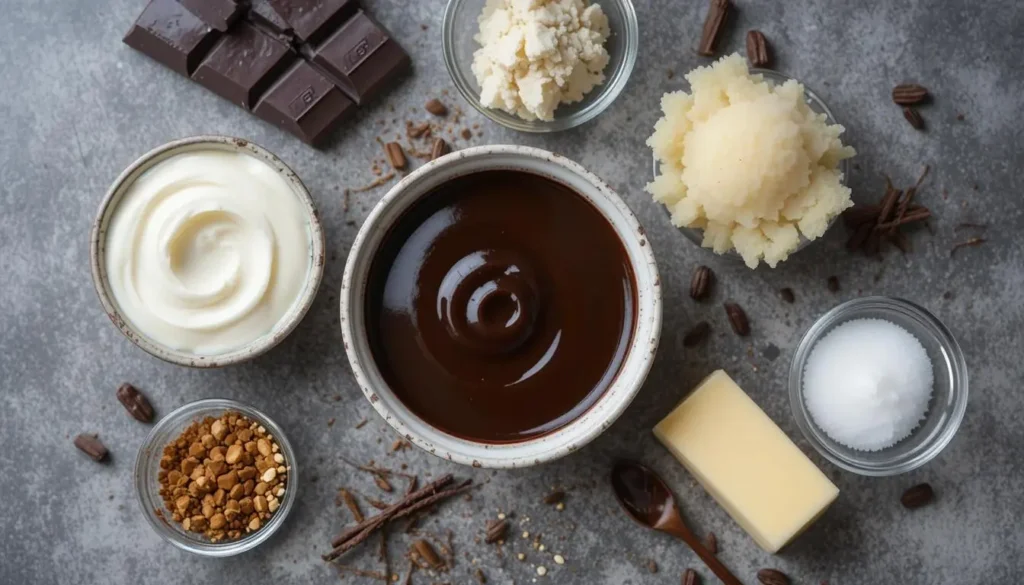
208, 477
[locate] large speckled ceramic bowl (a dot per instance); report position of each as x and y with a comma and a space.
609, 406
258, 346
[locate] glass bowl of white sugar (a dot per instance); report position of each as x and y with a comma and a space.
462, 38
878, 386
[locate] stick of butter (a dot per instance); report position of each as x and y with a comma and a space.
746, 462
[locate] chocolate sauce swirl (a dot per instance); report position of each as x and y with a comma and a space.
501, 306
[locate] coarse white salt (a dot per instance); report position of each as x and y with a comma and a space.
867, 384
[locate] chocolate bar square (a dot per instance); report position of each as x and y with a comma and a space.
305, 103
171, 35
361, 58
244, 64
263, 14
312, 20
220, 14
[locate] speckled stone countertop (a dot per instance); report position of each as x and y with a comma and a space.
76, 106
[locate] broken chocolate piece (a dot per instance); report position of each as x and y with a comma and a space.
305, 103
313, 20
243, 65
220, 14
360, 58
262, 14
171, 35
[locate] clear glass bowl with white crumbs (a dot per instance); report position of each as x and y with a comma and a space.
461, 24
948, 400
147, 484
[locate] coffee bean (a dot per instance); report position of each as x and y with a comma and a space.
700, 284
917, 496
738, 319
697, 334
91, 446
772, 577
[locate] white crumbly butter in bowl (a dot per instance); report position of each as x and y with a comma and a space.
537, 54
207, 250
747, 162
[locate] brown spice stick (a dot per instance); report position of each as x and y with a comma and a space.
910, 217
431, 489
380, 519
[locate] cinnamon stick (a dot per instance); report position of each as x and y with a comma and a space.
910, 217
428, 496
428, 490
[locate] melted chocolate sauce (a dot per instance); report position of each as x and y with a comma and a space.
501, 306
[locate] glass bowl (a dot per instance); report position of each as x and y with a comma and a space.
147, 487
461, 26
817, 106
949, 395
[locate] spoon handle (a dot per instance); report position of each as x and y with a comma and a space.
716, 566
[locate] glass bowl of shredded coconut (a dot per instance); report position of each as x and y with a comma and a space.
540, 65
878, 386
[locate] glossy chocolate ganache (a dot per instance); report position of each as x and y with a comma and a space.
500, 306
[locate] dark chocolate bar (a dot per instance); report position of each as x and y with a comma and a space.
171, 35
220, 14
305, 103
313, 20
361, 58
244, 64
263, 14
349, 58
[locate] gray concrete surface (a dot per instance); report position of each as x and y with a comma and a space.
76, 106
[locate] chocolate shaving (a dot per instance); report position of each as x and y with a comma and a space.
373, 185
349, 500
966, 243
718, 11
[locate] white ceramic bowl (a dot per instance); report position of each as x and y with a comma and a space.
634, 369
113, 197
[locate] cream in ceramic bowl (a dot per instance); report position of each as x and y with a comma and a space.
416, 191
207, 251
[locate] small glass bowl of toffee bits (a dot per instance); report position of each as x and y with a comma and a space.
216, 477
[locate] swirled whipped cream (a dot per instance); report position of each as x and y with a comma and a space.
207, 251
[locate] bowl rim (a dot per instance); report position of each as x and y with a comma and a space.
696, 235
184, 415
602, 96
848, 311
111, 200
549, 446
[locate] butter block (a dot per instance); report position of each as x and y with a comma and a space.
745, 461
